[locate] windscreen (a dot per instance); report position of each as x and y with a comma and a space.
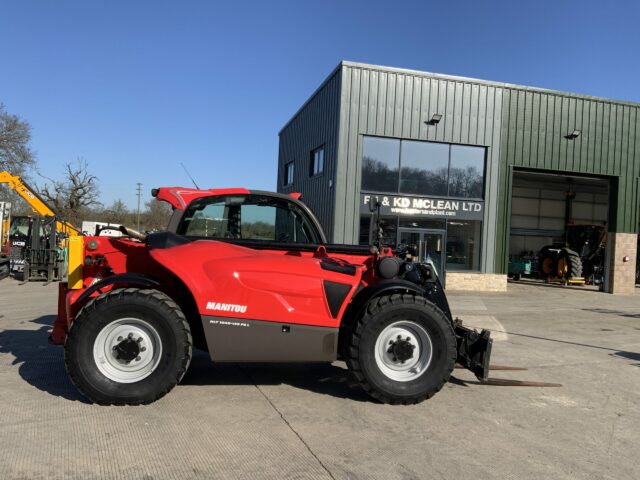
248, 217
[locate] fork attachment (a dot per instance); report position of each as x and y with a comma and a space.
474, 349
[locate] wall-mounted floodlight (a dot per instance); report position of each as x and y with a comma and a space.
435, 119
573, 135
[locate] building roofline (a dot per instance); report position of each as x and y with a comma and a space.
311, 97
477, 81
443, 76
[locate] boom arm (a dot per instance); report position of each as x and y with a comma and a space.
38, 205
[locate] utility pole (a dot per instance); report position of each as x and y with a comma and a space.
139, 193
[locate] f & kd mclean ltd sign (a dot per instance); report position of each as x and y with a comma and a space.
424, 206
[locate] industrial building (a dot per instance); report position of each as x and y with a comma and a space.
474, 172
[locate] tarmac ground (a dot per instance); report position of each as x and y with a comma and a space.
312, 421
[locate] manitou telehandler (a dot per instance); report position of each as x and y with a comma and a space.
249, 276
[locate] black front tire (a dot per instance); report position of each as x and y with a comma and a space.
382, 313
150, 307
547, 262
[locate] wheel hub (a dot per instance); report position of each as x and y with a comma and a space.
127, 350
401, 349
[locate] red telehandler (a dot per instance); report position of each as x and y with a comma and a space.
250, 277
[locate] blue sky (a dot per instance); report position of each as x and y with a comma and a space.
137, 87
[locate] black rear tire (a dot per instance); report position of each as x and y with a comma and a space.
574, 263
147, 307
383, 313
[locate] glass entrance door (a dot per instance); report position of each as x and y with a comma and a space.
430, 245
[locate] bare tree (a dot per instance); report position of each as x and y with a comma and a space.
117, 213
76, 192
156, 216
15, 135
15, 155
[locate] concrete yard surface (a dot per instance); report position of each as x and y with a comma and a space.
302, 421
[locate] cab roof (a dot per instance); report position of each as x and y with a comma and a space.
181, 197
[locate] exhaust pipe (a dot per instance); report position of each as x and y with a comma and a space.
130, 232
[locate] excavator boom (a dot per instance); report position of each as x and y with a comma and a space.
35, 201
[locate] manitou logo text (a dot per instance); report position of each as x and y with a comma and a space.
226, 307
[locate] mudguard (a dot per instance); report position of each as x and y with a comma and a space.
129, 279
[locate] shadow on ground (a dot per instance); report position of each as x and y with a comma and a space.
615, 352
322, 378
629, 356
42, 366
608, 311
542, 283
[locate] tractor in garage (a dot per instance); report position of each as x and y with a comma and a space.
579, 259
250, 277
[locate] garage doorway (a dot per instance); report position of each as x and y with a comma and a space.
556, 219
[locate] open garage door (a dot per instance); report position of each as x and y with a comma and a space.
554, 219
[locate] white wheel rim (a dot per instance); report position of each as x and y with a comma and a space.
127, 369
410, 334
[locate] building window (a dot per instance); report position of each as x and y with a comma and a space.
463, 245
421, 223
466, 172
380, 164
288, 174
317, 162
463, 237
422, 168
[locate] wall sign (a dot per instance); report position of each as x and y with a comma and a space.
424, 206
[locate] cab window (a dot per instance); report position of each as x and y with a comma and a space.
248, 217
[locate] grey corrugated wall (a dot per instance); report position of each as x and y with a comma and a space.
394, 103
314, 125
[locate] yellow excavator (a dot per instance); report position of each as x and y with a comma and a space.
37, 204
5, 217
38, 244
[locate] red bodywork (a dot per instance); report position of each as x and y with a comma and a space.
180, 197
277, 285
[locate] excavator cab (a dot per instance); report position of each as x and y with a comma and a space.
38, 244
18, 238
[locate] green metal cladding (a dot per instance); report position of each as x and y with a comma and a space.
534, 125
521, 127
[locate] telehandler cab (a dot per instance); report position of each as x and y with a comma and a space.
249, 276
